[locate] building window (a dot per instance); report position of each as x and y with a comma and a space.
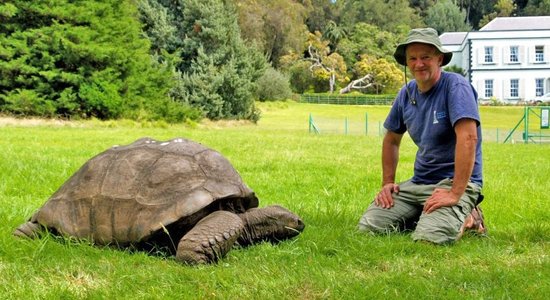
488, 88
514, 57
488, 54
539, 86
514, 88
539, 53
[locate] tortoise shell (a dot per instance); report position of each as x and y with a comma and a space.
129, 194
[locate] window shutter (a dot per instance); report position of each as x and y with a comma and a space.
507, 84
497, 89
521, 54
480, 89
496, 56
521, 91
531, 55
480, 59
506, 54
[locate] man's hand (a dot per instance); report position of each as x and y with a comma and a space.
384, 198
440, 198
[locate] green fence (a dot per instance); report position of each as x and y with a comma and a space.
364, 126
533, 132
347, 126
348, 100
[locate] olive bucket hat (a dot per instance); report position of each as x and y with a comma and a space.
424, 36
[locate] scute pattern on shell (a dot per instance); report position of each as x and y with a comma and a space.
127, 193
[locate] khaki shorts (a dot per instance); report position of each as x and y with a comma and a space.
440, 226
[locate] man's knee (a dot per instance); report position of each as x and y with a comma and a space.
437, 229
434, 236
372, 222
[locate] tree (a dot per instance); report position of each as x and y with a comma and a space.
159, 25
301, 78
367, 39
334, 33
387, 78
445, 16
421, 6
325, 66
394, 16
214, 68
78, 59
322, 12
298, 71
503, 8
537, 8
361, 84
220, 71
276, 26
475, 10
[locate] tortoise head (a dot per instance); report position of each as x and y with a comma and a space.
272, 223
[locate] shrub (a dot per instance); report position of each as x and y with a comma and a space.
273, 85
175, 112
76, 59
23, 102
301, 79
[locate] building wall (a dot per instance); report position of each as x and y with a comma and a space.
457, 59
471, 57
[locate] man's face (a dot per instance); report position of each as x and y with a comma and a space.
424, 62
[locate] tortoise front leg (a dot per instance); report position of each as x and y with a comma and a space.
210, 239
271, 223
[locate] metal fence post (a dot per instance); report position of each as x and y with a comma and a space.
526, 126
366, 123
346, 125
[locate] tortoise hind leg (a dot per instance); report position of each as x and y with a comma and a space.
210, 239
28, 230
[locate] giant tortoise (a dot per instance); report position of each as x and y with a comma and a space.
162, 194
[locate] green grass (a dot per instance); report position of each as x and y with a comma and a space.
327, 179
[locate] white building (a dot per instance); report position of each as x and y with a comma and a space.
507, 60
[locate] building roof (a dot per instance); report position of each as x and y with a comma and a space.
453, 38
518, 23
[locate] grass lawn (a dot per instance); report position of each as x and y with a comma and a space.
328, 179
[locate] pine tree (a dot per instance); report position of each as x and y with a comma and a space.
218, 71
78, 59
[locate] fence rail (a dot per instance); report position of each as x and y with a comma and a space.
346, 100
347, 126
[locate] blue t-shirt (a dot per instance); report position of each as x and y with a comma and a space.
430, 118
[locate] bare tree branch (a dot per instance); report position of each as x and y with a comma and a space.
318, 63
361, 83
